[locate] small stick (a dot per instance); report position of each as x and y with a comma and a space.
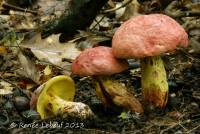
98, 22
188, 132
7, 5
171, 11
124, 3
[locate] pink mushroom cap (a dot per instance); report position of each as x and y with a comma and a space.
98, 61
148, 35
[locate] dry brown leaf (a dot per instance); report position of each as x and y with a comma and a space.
132, 9
175, 115
101, 22
5, 88
52, 51
29, 68
51, 6
47, 70
3, 50
163, 121
88, 40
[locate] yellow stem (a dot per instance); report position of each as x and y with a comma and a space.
63, 108
154, 81
113, 93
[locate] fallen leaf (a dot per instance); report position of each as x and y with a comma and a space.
3, 50
175, 115
29, 68
163, 121
47, 70
5, 88
130, 10
51, 6
50, 50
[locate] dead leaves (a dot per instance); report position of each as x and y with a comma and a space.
5, 88
29, 68
3, 50
50, 50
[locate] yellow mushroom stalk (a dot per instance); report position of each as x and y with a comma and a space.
154, 81
55, 98
111, 92
65, 109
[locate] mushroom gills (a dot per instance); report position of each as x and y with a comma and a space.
154, 81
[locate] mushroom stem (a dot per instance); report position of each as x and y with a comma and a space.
111, 92
56, 105
59, 106
154, 81
101, 91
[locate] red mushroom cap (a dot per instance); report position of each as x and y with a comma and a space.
98, 61
148, 35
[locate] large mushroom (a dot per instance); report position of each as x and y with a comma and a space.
100, 63
146, 37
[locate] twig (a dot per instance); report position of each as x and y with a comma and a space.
172, 11
98, 22
9, 82
49, 63
124, 3
188, 14
188, 132
176, 124
182, 126
7, 5
170, 127
189, 56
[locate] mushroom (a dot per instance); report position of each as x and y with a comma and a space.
100, 63
146, 37
56, 96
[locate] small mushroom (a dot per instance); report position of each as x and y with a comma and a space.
56, 96
100, 63
146, 37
